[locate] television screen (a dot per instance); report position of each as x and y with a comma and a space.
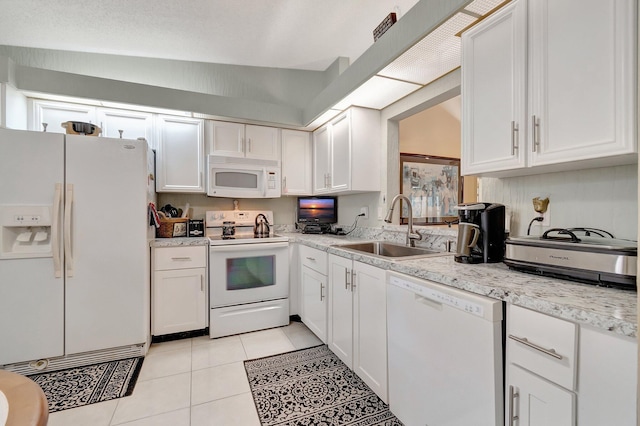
317, 210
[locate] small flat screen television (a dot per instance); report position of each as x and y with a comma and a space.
321, 210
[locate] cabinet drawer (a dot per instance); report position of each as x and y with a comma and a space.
314, 259
165, 258
542, 344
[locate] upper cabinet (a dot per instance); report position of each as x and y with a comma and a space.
550, 86
180, 155
296, 162
346, 153
54, 113
243, 140
133, 124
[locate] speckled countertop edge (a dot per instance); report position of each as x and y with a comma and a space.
603, 308
178, 242
609, 309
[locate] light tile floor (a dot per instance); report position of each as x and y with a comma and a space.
193, 382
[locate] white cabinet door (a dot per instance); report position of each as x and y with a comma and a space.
178, 301
537, 402
494, 92
370, 327
225, 138
607, 377
572, 107
346, 153
314, 302
321, 159
341, 309
340, 171
133, 124
358, 320
262, 142
581, 62
296, 163
180, 155
55, 113
240, 140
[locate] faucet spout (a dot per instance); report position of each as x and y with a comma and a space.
411, 235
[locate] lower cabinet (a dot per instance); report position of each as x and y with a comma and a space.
313, 298
534, 401
560, 373
179, 290
358, 320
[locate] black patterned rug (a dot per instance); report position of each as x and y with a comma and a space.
313, 387
80, 386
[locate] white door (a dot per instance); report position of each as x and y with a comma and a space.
262, 142
106, 256
581, 67
314, 302
31, 297
180, 155
538, 402
246, 273
179, 301
55, 113
296, 163
340, 174
370, 327
341, 309
494, 92
321, 159
133, 124
225, 138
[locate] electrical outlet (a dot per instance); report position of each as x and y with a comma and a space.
380, 213
365, 210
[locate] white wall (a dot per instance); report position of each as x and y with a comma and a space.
16, 108
284, 208
604, 198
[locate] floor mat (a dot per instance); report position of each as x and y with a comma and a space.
313, 387
80, 386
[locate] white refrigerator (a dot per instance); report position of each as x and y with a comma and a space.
74, 254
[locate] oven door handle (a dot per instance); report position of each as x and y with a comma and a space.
248, 247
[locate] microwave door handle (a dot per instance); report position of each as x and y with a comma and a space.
264, 182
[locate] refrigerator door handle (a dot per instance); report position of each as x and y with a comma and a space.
55, 232
67, 230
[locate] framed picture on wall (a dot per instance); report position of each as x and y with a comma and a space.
434, 186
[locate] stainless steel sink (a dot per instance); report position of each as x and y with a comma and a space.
390, 250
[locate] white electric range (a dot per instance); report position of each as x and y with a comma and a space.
248, 274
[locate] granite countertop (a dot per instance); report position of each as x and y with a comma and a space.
178, 242
604, 308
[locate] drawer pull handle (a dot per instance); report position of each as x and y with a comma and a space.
512, 395
514, 137
346, 279
525, 341
313, 259
183, 259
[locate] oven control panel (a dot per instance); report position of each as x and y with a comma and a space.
216, 218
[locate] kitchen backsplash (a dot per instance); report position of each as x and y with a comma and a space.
605, 198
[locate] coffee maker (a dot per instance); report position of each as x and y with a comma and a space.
481, 233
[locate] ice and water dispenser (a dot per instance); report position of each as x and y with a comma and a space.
25, 231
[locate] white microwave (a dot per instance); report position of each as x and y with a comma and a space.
243, 177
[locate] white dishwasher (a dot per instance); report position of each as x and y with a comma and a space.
444, 354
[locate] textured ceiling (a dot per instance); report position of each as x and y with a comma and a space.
300, 34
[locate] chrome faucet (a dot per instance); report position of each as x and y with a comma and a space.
411, 235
